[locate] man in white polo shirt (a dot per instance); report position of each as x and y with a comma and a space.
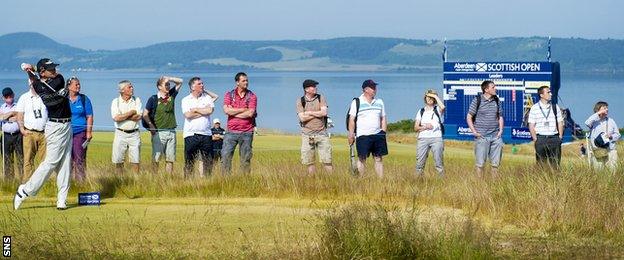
197, 108
546, 129
126, 112
368, 123
32, 116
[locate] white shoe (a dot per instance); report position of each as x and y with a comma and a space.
20, 196
61, 206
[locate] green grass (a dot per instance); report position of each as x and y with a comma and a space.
280, 212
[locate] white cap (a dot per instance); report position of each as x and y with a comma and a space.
215, 121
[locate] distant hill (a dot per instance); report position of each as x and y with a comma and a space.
341, 54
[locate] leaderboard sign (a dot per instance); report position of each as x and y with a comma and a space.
516, 84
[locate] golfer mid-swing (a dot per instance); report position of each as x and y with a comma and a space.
50, 86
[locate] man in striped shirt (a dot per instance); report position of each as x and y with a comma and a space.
486, 122
546, 129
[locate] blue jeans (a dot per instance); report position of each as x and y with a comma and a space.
244, 141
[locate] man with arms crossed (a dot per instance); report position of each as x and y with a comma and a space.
126, 113
240, 106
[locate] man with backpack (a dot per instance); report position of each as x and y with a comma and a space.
239, 105
429, 125
486, 122
159, 119
312, 113
546, 127
367, 127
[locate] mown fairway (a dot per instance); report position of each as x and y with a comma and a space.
279, 212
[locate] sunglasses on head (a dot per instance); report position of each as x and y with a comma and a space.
71, 78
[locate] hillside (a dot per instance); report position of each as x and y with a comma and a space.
576, 55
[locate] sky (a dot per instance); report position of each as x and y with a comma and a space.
119, 24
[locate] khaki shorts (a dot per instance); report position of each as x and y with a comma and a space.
310, 143
164, 142
126, 142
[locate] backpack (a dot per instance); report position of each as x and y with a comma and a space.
303, 104
357, 109
151, 113
474, 118
247, 97
435, 111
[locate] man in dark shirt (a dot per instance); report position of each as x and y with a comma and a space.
50, 86
217, 140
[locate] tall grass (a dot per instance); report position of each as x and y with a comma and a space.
380, 232
576, 201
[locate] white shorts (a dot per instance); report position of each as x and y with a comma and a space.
130, 142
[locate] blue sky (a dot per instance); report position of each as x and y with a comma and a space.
114, 24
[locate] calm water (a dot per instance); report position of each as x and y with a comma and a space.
278, 92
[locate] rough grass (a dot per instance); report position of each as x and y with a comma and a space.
526, 212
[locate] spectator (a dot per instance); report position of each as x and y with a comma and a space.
82, 127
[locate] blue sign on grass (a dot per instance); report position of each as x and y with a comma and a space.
89, 198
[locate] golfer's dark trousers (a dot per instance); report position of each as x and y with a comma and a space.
12, 143
548, 150
197, 145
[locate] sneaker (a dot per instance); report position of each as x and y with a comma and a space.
20, 196
61, 206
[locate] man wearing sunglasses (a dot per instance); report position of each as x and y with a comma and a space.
50, 86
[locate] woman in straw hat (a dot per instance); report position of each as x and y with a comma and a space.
430, 128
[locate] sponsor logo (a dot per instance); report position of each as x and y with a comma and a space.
465, 131
520, 133
498, 67
464, 67
481, 66
90, 198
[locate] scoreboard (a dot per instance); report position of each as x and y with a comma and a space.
516, 87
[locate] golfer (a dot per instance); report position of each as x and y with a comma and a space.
50, 86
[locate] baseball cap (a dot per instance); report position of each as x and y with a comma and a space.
46, 64
309, 83
7, 92
369, 83
216, 121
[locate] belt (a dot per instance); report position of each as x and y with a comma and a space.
128, 131
16, 133
548, 136
166, 130
60, 120
33, 130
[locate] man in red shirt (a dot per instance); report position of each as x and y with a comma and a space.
239, 105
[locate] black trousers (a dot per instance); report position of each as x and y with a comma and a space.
12, 146
548, 150
197, 145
